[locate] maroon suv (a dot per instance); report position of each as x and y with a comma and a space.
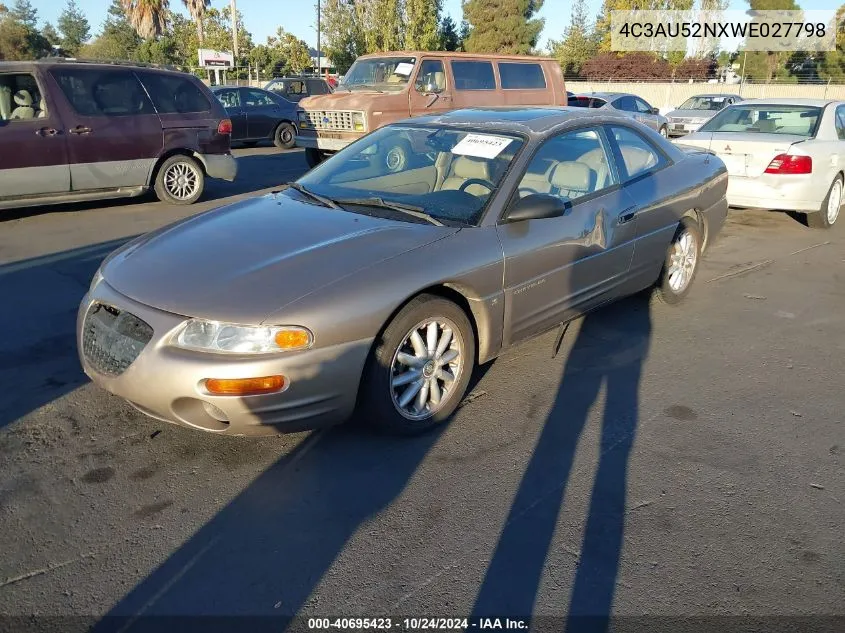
74, 131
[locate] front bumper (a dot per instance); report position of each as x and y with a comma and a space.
323, 144
776, 191
165, 382
682, 129
223, 166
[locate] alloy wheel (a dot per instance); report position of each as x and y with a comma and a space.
181, 180
683, 259
834, 201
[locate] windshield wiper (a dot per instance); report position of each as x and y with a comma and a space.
408, 209
326, 202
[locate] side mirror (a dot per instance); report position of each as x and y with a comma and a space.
537, 206
655, 110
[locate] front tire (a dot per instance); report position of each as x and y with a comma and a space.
285, 136
681, 264
664, 132
180, 180
829, 211
420, 367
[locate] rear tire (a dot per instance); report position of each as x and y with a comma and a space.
664, 132
681, 263
420, 367
314, 157
180, 180
285, 136
828, 213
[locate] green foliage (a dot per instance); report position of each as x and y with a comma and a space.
74, 28
117, 41
423, 19
19, 41
293, 52
25, 13
448, 35
51, 34
503, 26
578, 45
343, 34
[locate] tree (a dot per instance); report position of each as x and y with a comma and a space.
699, 68
19, 41
422, 21
767, 65
449, 38
197, 9
832, 64
577, 46
147, 17
290, 49
463, 35
50, 33
118, 39
380, 21
503, 26
25, 13
74, 27
343, 33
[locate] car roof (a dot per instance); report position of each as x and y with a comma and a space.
604, 95
715, 94
536, 120
791, 101
68, 62
522, 58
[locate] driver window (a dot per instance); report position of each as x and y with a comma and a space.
569, 166
431, 78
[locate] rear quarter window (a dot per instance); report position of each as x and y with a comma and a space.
473, 75
94, 92
172, 94
520, 76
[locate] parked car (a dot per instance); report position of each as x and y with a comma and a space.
363, 284
781, 154
258, 114
84, 131
629, 105
297, 88
696, 111
385, 87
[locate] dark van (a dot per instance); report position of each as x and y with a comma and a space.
86, 131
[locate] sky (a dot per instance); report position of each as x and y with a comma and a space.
263, 17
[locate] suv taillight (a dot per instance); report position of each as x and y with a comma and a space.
789, 164
224, 127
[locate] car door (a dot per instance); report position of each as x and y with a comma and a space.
231, 100
431, 92
114, 135
262, 112
33, 147
645, 174
558, 267
645, 114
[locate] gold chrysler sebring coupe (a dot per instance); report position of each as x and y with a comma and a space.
358, 286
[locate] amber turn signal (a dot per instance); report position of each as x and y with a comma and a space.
244, 386
292, 339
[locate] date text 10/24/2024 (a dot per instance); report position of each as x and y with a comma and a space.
416, 624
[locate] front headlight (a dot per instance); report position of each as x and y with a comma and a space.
98, 277
228, 338
358, 123
303, 119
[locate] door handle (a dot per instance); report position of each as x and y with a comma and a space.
46, 131
627, 215
81, 129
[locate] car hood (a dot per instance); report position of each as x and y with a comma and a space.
690, 114
243, 262
356, 100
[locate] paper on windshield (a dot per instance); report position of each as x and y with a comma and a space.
717, 99
403, 69
481, 145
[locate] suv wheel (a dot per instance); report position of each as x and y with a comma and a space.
180, 180
285, 136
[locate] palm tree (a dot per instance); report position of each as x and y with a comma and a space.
147, 17
197, 10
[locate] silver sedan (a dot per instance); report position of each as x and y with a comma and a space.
625, 104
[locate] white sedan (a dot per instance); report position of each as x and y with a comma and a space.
781, 154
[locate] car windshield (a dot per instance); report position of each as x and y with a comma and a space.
766, 119
388, 74
446, 173
704, 103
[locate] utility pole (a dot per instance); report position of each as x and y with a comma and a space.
319, 51
234, 9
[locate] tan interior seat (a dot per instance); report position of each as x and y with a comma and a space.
439, 80
636, 159
42, 109
5, 103
24, 109
463, 168
766, 125
596, 159
572, 180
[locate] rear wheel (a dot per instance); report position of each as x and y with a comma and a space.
420, 367
681, 264
829, 212
664, 132
314, 157
285, 136
180, 180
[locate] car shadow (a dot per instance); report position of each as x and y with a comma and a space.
610, 347
38, 347
256, 173
265, 553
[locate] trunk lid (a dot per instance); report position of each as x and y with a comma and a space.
747, 154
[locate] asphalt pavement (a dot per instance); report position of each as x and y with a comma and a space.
670, 461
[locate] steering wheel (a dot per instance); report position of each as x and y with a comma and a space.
477, 181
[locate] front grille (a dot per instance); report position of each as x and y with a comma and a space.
113, 338
330, 120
